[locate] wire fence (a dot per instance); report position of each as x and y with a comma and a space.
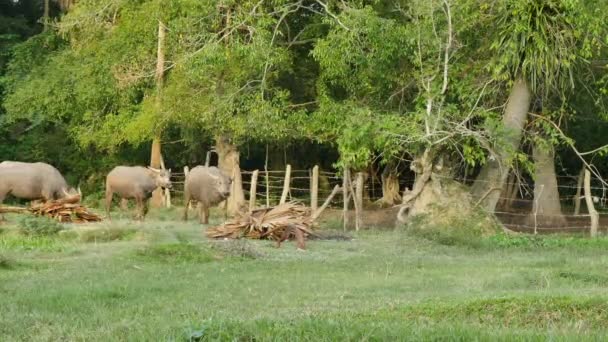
517, 208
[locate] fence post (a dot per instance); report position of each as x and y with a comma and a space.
316, 214
359, 201
253, 190
346, 197
542, 187
314, 194
589, 201
167, 193
286, 184
208, 159
577, 198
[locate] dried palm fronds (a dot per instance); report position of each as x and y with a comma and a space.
67, 210
276, 223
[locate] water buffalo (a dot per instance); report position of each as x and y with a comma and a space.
207, 185
135, 182
32, 181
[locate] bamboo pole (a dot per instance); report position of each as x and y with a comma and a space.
590, 206
345, 185
314, 191
267, 179
253, 190
318, 213
286, 184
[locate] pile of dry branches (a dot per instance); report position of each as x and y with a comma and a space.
276, 223
66, 210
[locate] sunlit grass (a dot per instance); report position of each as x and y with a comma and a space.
165, 281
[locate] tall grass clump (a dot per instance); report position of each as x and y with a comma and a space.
39, 226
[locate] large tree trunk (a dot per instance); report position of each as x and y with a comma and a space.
46, 14
489, 184
155, 158
390, 187
546, 206
65, 5
228, 161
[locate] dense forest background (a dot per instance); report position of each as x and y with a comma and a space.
484, 91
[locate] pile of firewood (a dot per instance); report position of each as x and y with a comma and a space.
276, 223
66, 210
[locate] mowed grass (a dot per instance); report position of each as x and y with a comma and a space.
164, 281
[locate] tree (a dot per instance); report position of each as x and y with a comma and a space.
538, 47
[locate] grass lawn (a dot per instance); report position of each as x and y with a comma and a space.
163, 281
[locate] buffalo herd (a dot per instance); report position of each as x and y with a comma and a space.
40, 181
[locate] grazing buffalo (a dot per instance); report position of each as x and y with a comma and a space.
135, 182
32, 181
207, 185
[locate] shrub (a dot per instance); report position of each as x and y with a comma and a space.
467, 230
39, 226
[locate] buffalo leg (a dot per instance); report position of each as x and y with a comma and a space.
186, 206
140, 209
109, 195
124, 204
203, 213
2, 218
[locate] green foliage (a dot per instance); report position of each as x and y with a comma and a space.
544, 41
39, 226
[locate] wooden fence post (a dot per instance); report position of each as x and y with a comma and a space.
286, 184
577, 197
359, 201
253, 190
318, 213
346, 197
208, 159
589, 201
314, 190
167, 193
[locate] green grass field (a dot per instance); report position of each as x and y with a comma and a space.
163, 281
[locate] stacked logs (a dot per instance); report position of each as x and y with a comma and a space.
275, 223
66, 210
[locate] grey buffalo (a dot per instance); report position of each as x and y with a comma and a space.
32, 181
135, 182
207, 185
